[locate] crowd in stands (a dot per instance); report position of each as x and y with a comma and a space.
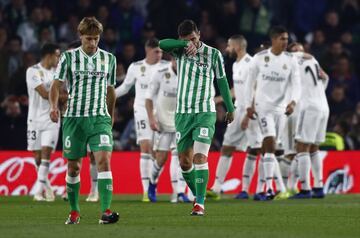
329, 30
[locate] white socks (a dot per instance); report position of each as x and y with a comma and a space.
294, 174
261, 176
221, 171
269, 164
317, 169
248, 171
42, 175
284, 164
278, 177
146, 163
304, 169
155, 172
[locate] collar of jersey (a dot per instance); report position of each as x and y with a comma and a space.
92, 56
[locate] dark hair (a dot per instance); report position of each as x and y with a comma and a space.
187, 27
152, 43
49, 48
74, 44
277, 30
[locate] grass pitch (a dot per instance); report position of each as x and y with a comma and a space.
334, 216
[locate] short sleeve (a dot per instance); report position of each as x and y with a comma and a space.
219, 65
112, 72
33, 78
60, 72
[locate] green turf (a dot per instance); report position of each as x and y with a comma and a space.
335, 216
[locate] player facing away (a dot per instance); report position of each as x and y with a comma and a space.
311, 125
242, 132
276, 75
139, 74
42, 133
163, 87
89, 73
197, 65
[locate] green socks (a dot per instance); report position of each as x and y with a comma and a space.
189, 176
73, 189
105, 188
201, 181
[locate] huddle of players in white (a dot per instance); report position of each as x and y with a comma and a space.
266, 88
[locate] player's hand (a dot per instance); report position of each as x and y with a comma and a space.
322, 74
251, 113
154, 125
190, 49
244, 123
54, 115
229, 117
290, 108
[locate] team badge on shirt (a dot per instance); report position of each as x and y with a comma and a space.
142, 70
284, 67
266, 59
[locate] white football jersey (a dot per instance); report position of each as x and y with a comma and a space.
240, 72
39, 108
277, 80
139, 73
163, 86
313, 88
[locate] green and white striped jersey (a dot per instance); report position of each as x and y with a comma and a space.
195, 79
87, 78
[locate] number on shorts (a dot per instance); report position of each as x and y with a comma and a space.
141, 124
67, 142
31, 135
263, 122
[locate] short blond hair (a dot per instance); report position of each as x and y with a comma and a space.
90, 26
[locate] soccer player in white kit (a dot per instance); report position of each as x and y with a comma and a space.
163, 87
311, 124
276, 76
241, 133
139, 74
42, 133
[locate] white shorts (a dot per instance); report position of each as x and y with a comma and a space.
36, 139
234, 135
253, 135
311, 126
164, 141
288, 138
271, 123
142, 125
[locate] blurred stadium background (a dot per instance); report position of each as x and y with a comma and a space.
329, 29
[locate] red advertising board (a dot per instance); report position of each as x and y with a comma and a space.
18, 173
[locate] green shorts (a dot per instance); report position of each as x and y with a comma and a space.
78, 132
192, 127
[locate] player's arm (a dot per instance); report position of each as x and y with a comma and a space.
56, 85
295, 87
110, 90
54, 99
152, 91
127, 84
42, 91
33, 80
324, 77
223, 85
250, 89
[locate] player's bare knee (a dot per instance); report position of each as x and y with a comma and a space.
254, 151
302, 147
314, 148
269, 145
46, 153
74, 168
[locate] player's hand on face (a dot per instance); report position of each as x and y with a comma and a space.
250, 113
229, 117
244, 123
290, 108
190, 49
54, 115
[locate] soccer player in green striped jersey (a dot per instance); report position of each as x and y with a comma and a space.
89, 73
197, 66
